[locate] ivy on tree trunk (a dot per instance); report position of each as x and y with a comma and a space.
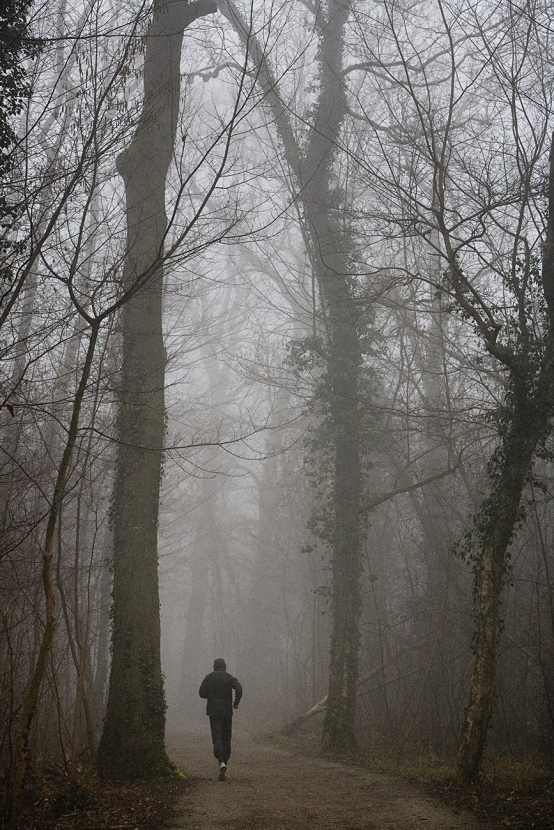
132, 742
524, 424
337, 341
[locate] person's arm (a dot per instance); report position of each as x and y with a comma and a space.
203, 690
238, 692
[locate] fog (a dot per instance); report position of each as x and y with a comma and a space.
277, 331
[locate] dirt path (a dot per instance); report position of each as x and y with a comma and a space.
272, 789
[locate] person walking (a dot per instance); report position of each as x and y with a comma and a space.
217, 688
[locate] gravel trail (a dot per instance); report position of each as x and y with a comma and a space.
270, 788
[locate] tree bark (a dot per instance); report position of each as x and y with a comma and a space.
330, 250
532, 409
489, 579
132, 742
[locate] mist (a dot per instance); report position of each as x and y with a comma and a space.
277, 341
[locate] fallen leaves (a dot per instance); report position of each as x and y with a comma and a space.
96, 805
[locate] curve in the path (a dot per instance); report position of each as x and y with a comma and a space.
272, 789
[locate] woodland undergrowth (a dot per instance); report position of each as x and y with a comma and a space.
55, 803
513, 793
518, 794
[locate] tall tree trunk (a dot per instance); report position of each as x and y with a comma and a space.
344, 374
530, 411
330, 250
132, 742
329, 245
490, 571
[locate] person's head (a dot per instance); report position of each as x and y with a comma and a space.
219, 664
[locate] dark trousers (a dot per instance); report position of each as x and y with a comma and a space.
221, 736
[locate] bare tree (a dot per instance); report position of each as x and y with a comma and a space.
481, 217
336, 342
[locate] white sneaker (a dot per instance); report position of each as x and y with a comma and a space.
223, 773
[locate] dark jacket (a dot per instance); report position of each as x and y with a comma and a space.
217, 687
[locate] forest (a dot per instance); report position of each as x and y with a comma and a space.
276, 379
